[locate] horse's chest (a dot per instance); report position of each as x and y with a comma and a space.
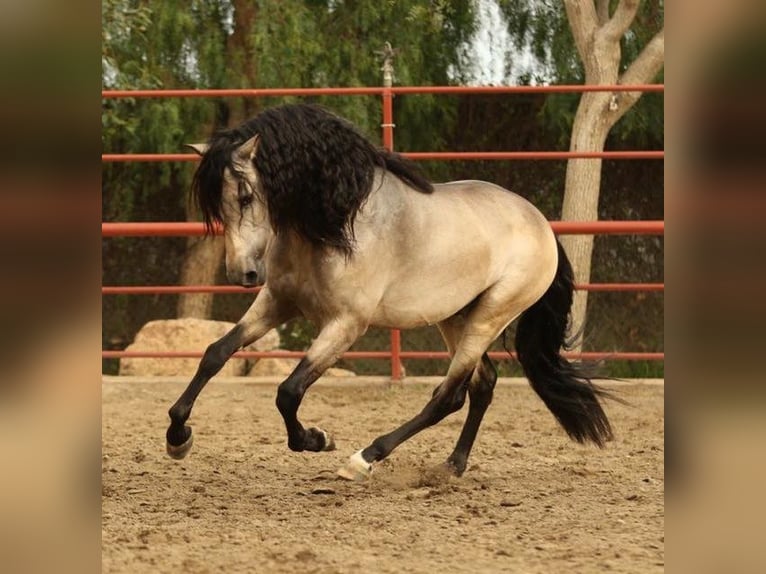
305, 293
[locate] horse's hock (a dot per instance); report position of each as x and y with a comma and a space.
186, 334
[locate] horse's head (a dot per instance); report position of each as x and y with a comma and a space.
242, 211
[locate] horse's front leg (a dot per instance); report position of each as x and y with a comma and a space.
333, 340
263, 315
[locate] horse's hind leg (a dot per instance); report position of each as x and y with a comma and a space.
447, 398
480, 392
482, 326
263, 315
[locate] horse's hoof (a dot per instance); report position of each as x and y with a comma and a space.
454, 467
316, 440
329, 442
356, 468
180, 451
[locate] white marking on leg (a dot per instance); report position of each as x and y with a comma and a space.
356, 468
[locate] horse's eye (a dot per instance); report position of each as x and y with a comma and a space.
246, 200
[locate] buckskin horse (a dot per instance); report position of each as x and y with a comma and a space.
349, 235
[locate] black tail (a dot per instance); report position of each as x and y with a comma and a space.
566, 390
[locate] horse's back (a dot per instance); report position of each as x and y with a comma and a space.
435, 253
483, 196
497, 226
507, 221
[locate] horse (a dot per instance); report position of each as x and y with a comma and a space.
349, 235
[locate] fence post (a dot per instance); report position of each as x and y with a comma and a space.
388, 109
388, 142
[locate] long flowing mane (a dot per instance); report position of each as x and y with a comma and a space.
316, 170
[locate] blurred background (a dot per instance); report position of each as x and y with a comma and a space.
305, 44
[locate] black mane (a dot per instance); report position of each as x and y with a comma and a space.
316, 171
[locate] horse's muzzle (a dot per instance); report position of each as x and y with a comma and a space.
250, 279
247, 279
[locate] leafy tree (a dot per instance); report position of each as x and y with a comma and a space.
149, 44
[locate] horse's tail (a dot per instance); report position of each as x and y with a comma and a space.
565, 389
406, 170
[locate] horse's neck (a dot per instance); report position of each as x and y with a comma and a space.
386, 208
387, 200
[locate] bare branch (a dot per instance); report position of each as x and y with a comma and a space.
623, 17
583, 22
643, 70
602, 9
648, 63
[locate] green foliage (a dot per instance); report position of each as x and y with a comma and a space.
322, 44
294, 43
542, 27
150, 45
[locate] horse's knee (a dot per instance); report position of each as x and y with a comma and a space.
446, 401
218, 353
487, 371
212, 361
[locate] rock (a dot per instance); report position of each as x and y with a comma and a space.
337, 372
269, 342
188, 334
323, 491
283, 367
273, 368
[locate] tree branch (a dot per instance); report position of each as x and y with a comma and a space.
642, 71
648, 63
583, 22
602, 10
623, 17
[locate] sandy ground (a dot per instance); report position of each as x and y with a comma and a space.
531, 500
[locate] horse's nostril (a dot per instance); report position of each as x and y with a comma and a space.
251, 278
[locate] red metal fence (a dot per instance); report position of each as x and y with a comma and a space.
395, 354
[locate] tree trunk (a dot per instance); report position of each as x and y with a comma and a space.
201, 264
597, 36
242, 55
583, 182
204, 257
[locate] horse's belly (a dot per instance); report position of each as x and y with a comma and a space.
411, 306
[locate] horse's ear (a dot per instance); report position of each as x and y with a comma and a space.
199, 148
248, 149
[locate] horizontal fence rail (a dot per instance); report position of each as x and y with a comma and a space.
395, 354
379, 91
427, 155
499, 355
190, 228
